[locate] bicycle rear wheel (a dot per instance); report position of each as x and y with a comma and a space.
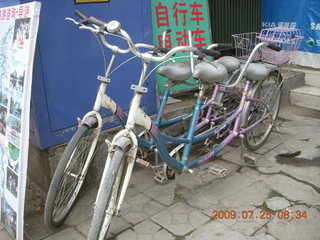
108, 196
69, 175
269, 91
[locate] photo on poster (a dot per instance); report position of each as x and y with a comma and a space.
6, 36
3, 119
4, 93
17, 76
16, 104
8, 217
12, 182
21, 32
14, 130
4, 158
14, 154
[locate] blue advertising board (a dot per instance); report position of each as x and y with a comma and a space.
301, 14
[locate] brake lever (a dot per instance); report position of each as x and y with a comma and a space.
89, 28
72, 20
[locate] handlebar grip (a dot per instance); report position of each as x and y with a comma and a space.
158, 49
209, 52
95, 21
225, 45
80, 14
274, 47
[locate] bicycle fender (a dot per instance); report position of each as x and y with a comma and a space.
122, 142
90, 122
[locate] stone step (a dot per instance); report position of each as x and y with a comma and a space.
312, 75
306, 96
312, 78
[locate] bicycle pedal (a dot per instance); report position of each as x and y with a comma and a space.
249, 159
144, 163
218, 171
160, 178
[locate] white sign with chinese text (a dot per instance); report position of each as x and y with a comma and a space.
18, 34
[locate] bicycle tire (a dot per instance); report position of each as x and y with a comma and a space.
252, 110
75, 155
104, 203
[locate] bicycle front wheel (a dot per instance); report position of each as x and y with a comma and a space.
269, 91
69, 175
108, 196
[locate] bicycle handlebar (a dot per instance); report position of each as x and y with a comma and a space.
223, 45
157, 49
256, 48
198, 51
164, 35
85, 20
274, 47
101, 27
114, 27
202, 51
80, 15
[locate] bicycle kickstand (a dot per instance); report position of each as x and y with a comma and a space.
288, 153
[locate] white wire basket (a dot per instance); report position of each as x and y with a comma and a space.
244, 44
288, 39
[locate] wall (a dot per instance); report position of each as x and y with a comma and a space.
67, 63
301, 14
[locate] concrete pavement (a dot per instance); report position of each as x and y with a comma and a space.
277, 199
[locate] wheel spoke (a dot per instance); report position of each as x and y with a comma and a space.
268, 92
64, 199
81, 153
72, 176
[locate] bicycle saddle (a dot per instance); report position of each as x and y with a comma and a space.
177, 71
231, 63
256, 72
210, 72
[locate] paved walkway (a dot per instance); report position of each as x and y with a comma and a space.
278, 199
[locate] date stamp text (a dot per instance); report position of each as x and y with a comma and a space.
259, 214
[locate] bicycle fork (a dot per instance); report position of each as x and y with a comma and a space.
131, 155
136, 116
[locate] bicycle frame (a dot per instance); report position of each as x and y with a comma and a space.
137, 116
125, 142
161, 140
104, 101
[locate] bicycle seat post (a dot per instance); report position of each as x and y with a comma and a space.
194, 119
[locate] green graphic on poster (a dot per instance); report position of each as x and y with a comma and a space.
180, 17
